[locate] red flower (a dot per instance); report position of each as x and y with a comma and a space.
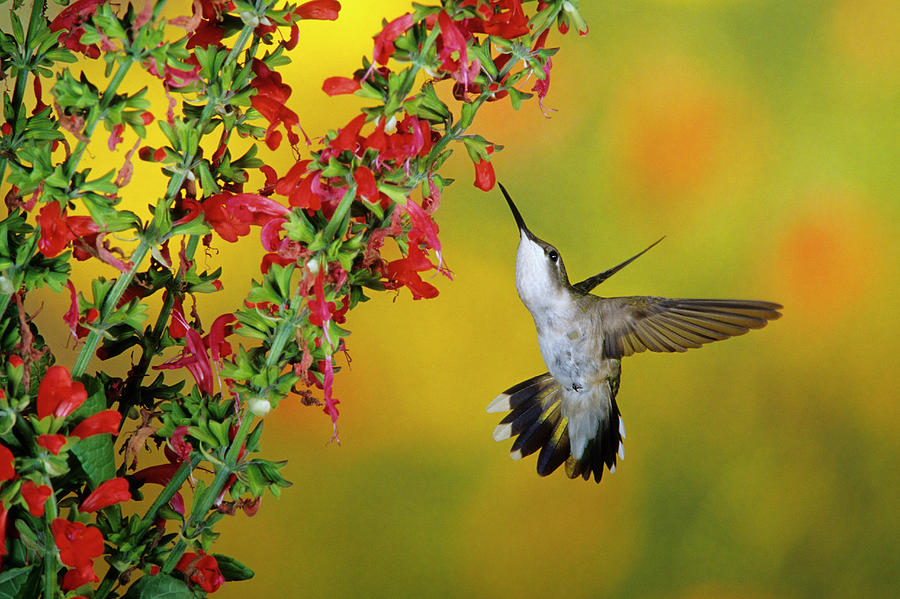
335, 86
320, 310
323, 10
215, 340
58, 395
202, 570
503, 18
79, 576
52, 443
365, 182
193, 357
271, 95
384, 41
57, 230
231, 215
106, 421
453, 41
78, 546
35, 496
7, 471
348, 137
484, 175
108, 493
69, 21
404, 272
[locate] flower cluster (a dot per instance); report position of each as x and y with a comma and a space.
353, 214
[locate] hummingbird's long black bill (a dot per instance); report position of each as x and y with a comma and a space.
586, 285
520, 222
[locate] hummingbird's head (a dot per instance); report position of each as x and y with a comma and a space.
540, 272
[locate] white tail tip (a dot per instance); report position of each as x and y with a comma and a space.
500, 404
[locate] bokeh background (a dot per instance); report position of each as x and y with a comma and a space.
763, 139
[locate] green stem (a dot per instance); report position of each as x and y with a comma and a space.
205, 502
95, 115
37, 12
51, 563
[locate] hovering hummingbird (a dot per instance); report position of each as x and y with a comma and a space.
569, 413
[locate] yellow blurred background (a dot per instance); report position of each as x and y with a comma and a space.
762, 138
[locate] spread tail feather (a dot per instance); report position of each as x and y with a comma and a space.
536, 421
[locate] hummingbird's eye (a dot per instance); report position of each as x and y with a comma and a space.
553, 255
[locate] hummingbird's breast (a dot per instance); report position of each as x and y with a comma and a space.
569, 347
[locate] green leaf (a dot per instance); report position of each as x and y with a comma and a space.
12, 581
231, 568
97, 459
159, 586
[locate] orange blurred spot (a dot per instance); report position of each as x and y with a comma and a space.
829, 257
671, 127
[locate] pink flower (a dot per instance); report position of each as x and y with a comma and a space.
58, 395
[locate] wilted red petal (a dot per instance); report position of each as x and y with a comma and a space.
35, 496
108, 493
335, 86
203, 570
160, 475
106, 421
52, 443
484, 175
7, 471
58, 395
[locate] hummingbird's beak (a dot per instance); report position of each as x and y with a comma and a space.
520, 222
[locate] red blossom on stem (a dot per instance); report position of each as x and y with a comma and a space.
78, 546
484, 175
35, 497
384, 41
6, 463
323, 10
58, 394
232, 215
108, 493
71, 20
201, 569
52, 443
106, 421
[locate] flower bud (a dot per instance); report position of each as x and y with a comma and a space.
259, 407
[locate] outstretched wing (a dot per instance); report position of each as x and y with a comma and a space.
634, 324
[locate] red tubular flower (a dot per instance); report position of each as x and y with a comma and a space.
35, 496
405, 272
79, 576
108, 493
194, 357
106, 421
231, 215
384, 41
54, 232
347, 138
58, 394
503, 18
78, 544
484, 175
215, 340
336, 86
70, 21
323, 10
202, 570
320, 310
52, 443
7, 471
271, 95
452, 41
365, 182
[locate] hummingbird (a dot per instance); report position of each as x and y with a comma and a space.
569, 413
